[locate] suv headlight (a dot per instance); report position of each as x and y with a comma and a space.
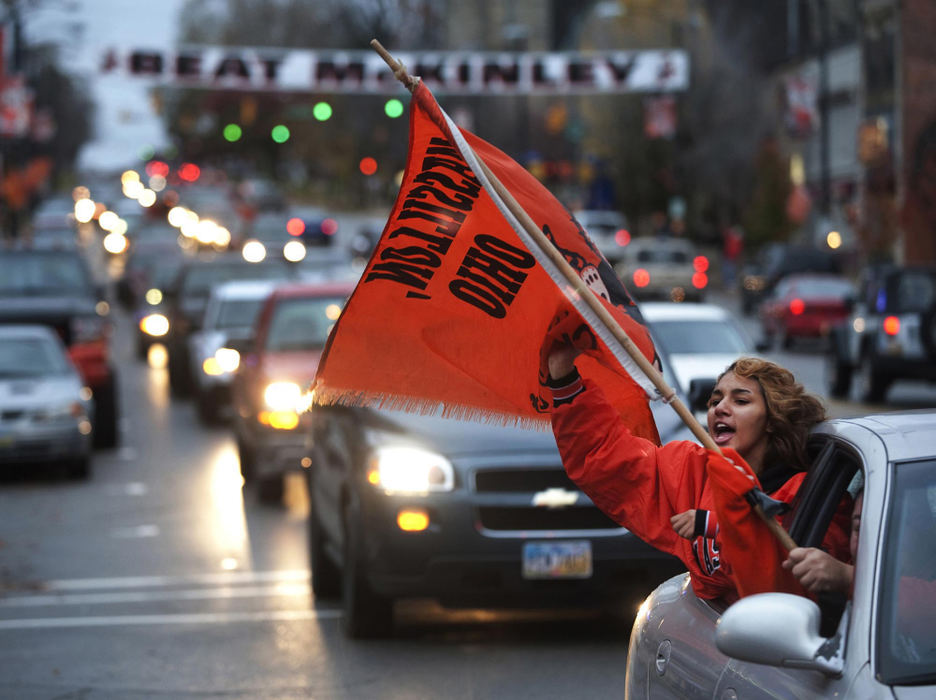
409, 469
282, 396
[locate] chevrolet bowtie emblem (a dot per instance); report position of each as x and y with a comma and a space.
555, 498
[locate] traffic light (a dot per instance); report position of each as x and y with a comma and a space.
280, 133
322, 111
393, 108
232, 133
368, 165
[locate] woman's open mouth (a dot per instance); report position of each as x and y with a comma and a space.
722, 433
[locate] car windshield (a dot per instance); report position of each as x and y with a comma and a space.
49, 275
303, 324
907, 624
201, 279
157, 270
30, 357
701, 336
662, 255
237, 313
818, 288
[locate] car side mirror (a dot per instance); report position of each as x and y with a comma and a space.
700, 389
778, 629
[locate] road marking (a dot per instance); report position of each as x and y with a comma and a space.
230, 577
183, 619
42, 600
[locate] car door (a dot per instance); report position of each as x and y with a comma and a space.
672, 653
833, 470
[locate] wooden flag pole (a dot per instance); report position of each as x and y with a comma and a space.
589, 297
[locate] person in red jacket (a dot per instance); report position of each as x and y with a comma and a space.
757, 412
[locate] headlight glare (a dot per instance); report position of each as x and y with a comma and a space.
155, 325
408, 469
283, 396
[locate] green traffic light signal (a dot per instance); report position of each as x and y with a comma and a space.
232, 132
280, 133
322, 111
393, 108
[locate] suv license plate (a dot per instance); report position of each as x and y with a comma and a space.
569, 559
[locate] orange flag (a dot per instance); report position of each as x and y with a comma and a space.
455, 301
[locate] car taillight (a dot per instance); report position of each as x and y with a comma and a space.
892, 325
87, 329
797, 306
622, 237
641, 277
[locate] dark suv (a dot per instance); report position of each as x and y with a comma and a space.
890, 335
56, 288
471, 514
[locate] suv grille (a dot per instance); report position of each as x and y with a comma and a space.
512, 482
520, 480
539, 518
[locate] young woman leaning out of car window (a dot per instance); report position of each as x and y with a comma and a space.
757, 414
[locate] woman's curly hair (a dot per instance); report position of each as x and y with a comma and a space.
791, 411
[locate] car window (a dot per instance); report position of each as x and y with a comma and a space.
30, 357
914, 292
662, 256
906, 631
237, 313
696, 337
42, 274
200, 279
822, 288
303, 324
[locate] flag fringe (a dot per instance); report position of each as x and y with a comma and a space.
325, 396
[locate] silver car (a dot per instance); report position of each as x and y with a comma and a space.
45, 408
229, 317
879, 644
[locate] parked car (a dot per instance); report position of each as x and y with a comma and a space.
55, 288
777, 260
890, 334
229, 319
607, 229
187, 297
663, 268
470, 514
45, 407
277, 364
780, 645
700, 340
805, 307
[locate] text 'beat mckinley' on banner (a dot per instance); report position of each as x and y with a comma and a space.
455, 302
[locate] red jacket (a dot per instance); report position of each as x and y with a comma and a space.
641, 485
